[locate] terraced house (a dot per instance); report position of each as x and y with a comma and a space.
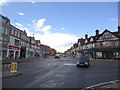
101, 46
107, 45
14, 43
4, 36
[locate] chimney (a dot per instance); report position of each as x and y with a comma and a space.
97, 32
86, 36
118, 29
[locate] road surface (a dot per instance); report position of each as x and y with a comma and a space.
62, 73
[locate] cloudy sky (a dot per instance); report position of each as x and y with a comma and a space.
60, 24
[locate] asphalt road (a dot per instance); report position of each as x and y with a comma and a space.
57, 73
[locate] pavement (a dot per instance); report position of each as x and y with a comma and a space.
115, 60
116, 85
20, 60
9, 74
6, 72
106, 85
99, 60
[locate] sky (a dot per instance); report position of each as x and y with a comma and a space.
60, 24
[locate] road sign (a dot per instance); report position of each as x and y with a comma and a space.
14, 67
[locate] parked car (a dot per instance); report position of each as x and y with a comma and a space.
83, 61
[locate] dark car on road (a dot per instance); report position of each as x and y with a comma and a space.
83, 61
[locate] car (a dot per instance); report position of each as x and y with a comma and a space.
64, 55
57, 56
83, 61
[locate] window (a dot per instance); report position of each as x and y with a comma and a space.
110, 36
15, 33
0, 18
17, 42
116, 43
18, 34
0, 29
116, 54
98, 44
6, 31
93, 45
4, 40
12, 32
107, 43
25, 43
3, 29
1, 38
98, 54
3, 20
21, 42
4, 54
21, 35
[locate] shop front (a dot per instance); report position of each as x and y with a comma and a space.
3, 52
13, 52
37, 53
23, 52
113, 53
31, 52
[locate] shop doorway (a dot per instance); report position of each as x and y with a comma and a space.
23, 52
11, 54
16, 54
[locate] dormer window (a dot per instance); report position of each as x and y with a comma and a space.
91, 40
86, 41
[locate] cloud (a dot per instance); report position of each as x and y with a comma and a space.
19, 13
33, 1
22, 27
63, 28
40, 22
3, 2
59, 41
18, 24
46, 28
39, 25
114, 19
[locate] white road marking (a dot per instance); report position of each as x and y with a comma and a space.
61, 84
58, 75
48, 63
69, 64
102, 84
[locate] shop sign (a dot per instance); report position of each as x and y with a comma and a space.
87, 51
14, 48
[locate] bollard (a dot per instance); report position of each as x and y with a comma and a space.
13, 67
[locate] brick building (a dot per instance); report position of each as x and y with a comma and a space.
4, 36
14, 43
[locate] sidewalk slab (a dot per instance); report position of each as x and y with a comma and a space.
9, 74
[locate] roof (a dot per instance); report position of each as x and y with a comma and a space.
114, 33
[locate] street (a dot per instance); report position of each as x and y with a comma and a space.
62, 73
